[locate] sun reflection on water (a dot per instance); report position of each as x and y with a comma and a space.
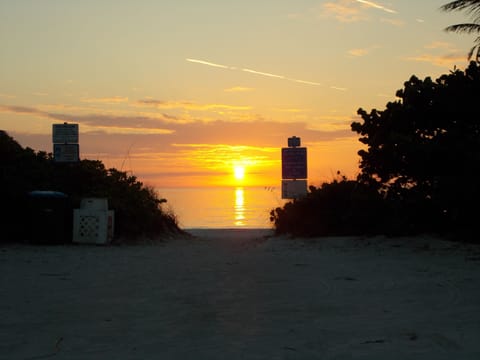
239, 207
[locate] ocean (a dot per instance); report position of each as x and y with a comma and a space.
222, 208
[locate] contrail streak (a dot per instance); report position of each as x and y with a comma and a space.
263, 73
338, 88
376, 6
210, 64
305, 82
251, 71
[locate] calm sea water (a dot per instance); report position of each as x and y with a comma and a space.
216, 208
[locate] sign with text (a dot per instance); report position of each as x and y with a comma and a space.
64, 133
66, 152
294, 189
294, 163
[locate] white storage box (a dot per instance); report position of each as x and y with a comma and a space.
93, 223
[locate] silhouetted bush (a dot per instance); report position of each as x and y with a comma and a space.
419, 172
137, 207
344, 207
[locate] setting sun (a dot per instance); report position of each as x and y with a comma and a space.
239, 172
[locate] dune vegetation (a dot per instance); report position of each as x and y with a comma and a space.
418, 173
138, 210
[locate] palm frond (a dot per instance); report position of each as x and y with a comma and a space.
474, 5
467, 28
471, 7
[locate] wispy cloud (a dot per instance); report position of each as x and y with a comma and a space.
239, 89
218, 156
172, 154
291, 110
99, 122
60, 107
20, 110
343, 11
352, 10
447, 61
334, 126
189, 105
109, 100
358, 52
441, 45
214, 132
255, 72
442, 54
133, 130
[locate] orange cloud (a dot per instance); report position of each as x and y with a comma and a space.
221, 159
291, 110
452, 58
351, 10
449, 60
358, 52
159, 104
440, 45
238, 89
109, 100
343, 11
98, 122
176, 153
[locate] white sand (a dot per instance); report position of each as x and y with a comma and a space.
237, 295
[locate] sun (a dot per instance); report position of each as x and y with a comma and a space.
239, 172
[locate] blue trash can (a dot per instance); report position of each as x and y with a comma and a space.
50, 217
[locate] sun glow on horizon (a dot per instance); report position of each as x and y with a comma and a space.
239, 172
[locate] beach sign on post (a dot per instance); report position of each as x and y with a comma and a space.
66, 152
294, 163
65, 133
294, 189
294, 169
65, 143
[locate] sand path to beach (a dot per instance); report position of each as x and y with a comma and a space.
237, 294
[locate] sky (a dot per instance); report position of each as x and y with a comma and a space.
188, 93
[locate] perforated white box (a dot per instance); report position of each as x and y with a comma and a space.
93, 226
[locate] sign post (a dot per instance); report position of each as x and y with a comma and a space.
66, 152
294, 170
65, 133
65, 143
294, 163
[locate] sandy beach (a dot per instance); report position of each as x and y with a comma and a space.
242, 294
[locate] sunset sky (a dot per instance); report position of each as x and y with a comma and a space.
183, 92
